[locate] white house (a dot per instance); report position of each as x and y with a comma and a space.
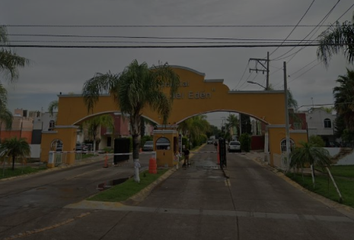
321, 123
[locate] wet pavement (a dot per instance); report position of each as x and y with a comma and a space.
198, 202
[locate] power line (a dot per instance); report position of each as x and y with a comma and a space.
159, 42
157, 26
243, 74
165, 46
294, 26
146, 37
317, 27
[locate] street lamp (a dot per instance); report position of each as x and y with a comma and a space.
257, 84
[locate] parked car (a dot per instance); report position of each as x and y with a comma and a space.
79, 147
210, 141
148, 146
234, 146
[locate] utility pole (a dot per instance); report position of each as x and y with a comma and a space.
265, 64
287, 134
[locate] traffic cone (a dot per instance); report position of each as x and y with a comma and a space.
106, 162
152, 165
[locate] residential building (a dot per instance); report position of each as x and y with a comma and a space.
321, 123
22, 126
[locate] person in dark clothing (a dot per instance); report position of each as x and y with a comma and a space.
216, 145
186, 157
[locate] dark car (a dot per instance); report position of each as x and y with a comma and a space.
79, 147
148, 146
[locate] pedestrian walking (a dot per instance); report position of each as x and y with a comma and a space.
216, 145
186, 157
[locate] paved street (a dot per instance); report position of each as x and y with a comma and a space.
193, 203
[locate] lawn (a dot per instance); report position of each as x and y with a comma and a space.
123, 191
8, 172
343, 176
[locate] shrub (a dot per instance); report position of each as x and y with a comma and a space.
245, 141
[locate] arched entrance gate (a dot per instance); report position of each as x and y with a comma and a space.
196, 95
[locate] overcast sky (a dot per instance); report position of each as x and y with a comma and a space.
54, 70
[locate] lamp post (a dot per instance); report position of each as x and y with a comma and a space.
257, 84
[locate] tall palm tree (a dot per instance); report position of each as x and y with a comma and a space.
137, 87
5, 114
338, 38
344, 98
233, 122
13, 147
9, 63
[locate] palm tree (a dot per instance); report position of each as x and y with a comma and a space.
338, 38
5, 114
52, 106
196, 128
344, 99
137, 87
233, 122
94, 123
13, 147
309, 152
9, 61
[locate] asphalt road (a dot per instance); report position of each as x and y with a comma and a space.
193, 203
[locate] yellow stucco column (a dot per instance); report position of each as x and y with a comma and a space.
276, 134
67, 135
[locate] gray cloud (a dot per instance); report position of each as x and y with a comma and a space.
65, 70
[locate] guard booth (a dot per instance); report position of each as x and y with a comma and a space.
166, 145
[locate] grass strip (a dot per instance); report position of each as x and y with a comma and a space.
123, 191
325, 187
8, 172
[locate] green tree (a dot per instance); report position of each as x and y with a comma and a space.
245, 141
233, 122
196, 128
336, 39
53, 105
13, 147
92, 125
344, 99
317, 140
312, 154
137, 87
9, 61
5, 114
9, 64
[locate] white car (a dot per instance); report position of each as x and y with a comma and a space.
234, 146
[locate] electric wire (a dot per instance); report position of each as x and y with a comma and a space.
317, 26
151, 37
157, 26
243, 74
294, 27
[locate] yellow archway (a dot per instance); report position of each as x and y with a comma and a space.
196, 95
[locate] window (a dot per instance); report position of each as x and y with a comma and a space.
51, 125
162, 144
283, 145
327, 123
